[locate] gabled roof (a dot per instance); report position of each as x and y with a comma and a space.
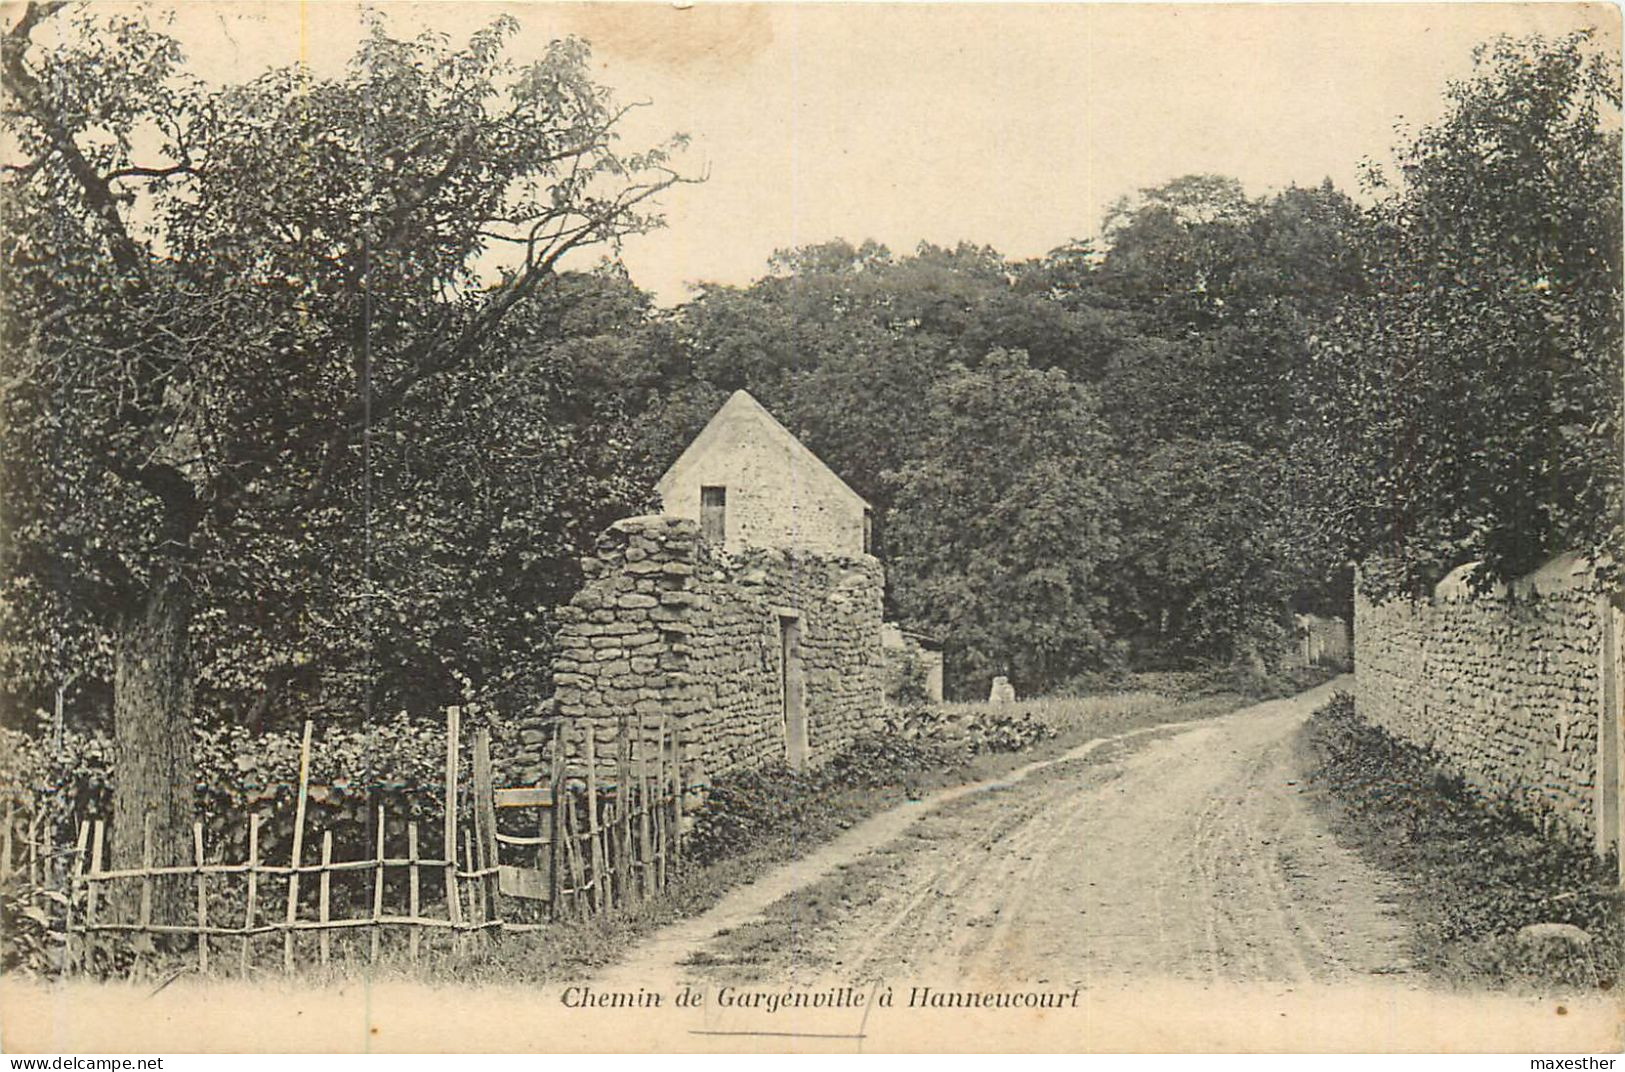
741, 404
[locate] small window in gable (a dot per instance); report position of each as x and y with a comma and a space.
868, 531
713, 515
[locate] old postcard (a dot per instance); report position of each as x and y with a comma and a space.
795, 527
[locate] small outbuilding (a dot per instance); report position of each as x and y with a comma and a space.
746, 619
749, 483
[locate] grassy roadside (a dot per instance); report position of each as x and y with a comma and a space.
1473, 875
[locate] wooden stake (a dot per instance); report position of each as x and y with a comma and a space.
325, 938
5, 844
298, 847
485, 819
646, 875
544, 847
38, 872
476, 894
378, 888
594, 843
454, 906
92, 887
78, 873
660, 803
412, 883
623, 814
568, 887
253, 887
202, 900
555, 845
146, 864
678, 789
572, 842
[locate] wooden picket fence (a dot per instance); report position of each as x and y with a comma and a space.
24, 845
602, 834
611, 843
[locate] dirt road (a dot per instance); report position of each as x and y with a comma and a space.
1189, 853
1173, 861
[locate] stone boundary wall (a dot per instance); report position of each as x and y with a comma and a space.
1321, 641
1505, 687
667, 625
905, 654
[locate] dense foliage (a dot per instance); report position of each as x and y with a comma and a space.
1473, 385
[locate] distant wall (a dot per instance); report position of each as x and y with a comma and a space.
1322, 641
1507, 687
668, 625
905, 656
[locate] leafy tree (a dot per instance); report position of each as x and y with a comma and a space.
437, 577
219, 302
1172, 248
1227, 293
1232, 288
1474, 391
1205, 569
1004, 523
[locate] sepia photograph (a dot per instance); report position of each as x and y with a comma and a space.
911, 528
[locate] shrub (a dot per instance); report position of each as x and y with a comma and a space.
906, 677
743, 808
29, 915
395, 762
968, 729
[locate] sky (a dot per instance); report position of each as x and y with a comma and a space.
1010, 125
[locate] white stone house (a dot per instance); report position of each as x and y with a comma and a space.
750, 483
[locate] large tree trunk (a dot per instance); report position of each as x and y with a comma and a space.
152, 728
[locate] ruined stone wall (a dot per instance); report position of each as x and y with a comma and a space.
907, 658
668, 625
1504, 687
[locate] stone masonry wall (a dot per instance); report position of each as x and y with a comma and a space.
1503, 686
667, 624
